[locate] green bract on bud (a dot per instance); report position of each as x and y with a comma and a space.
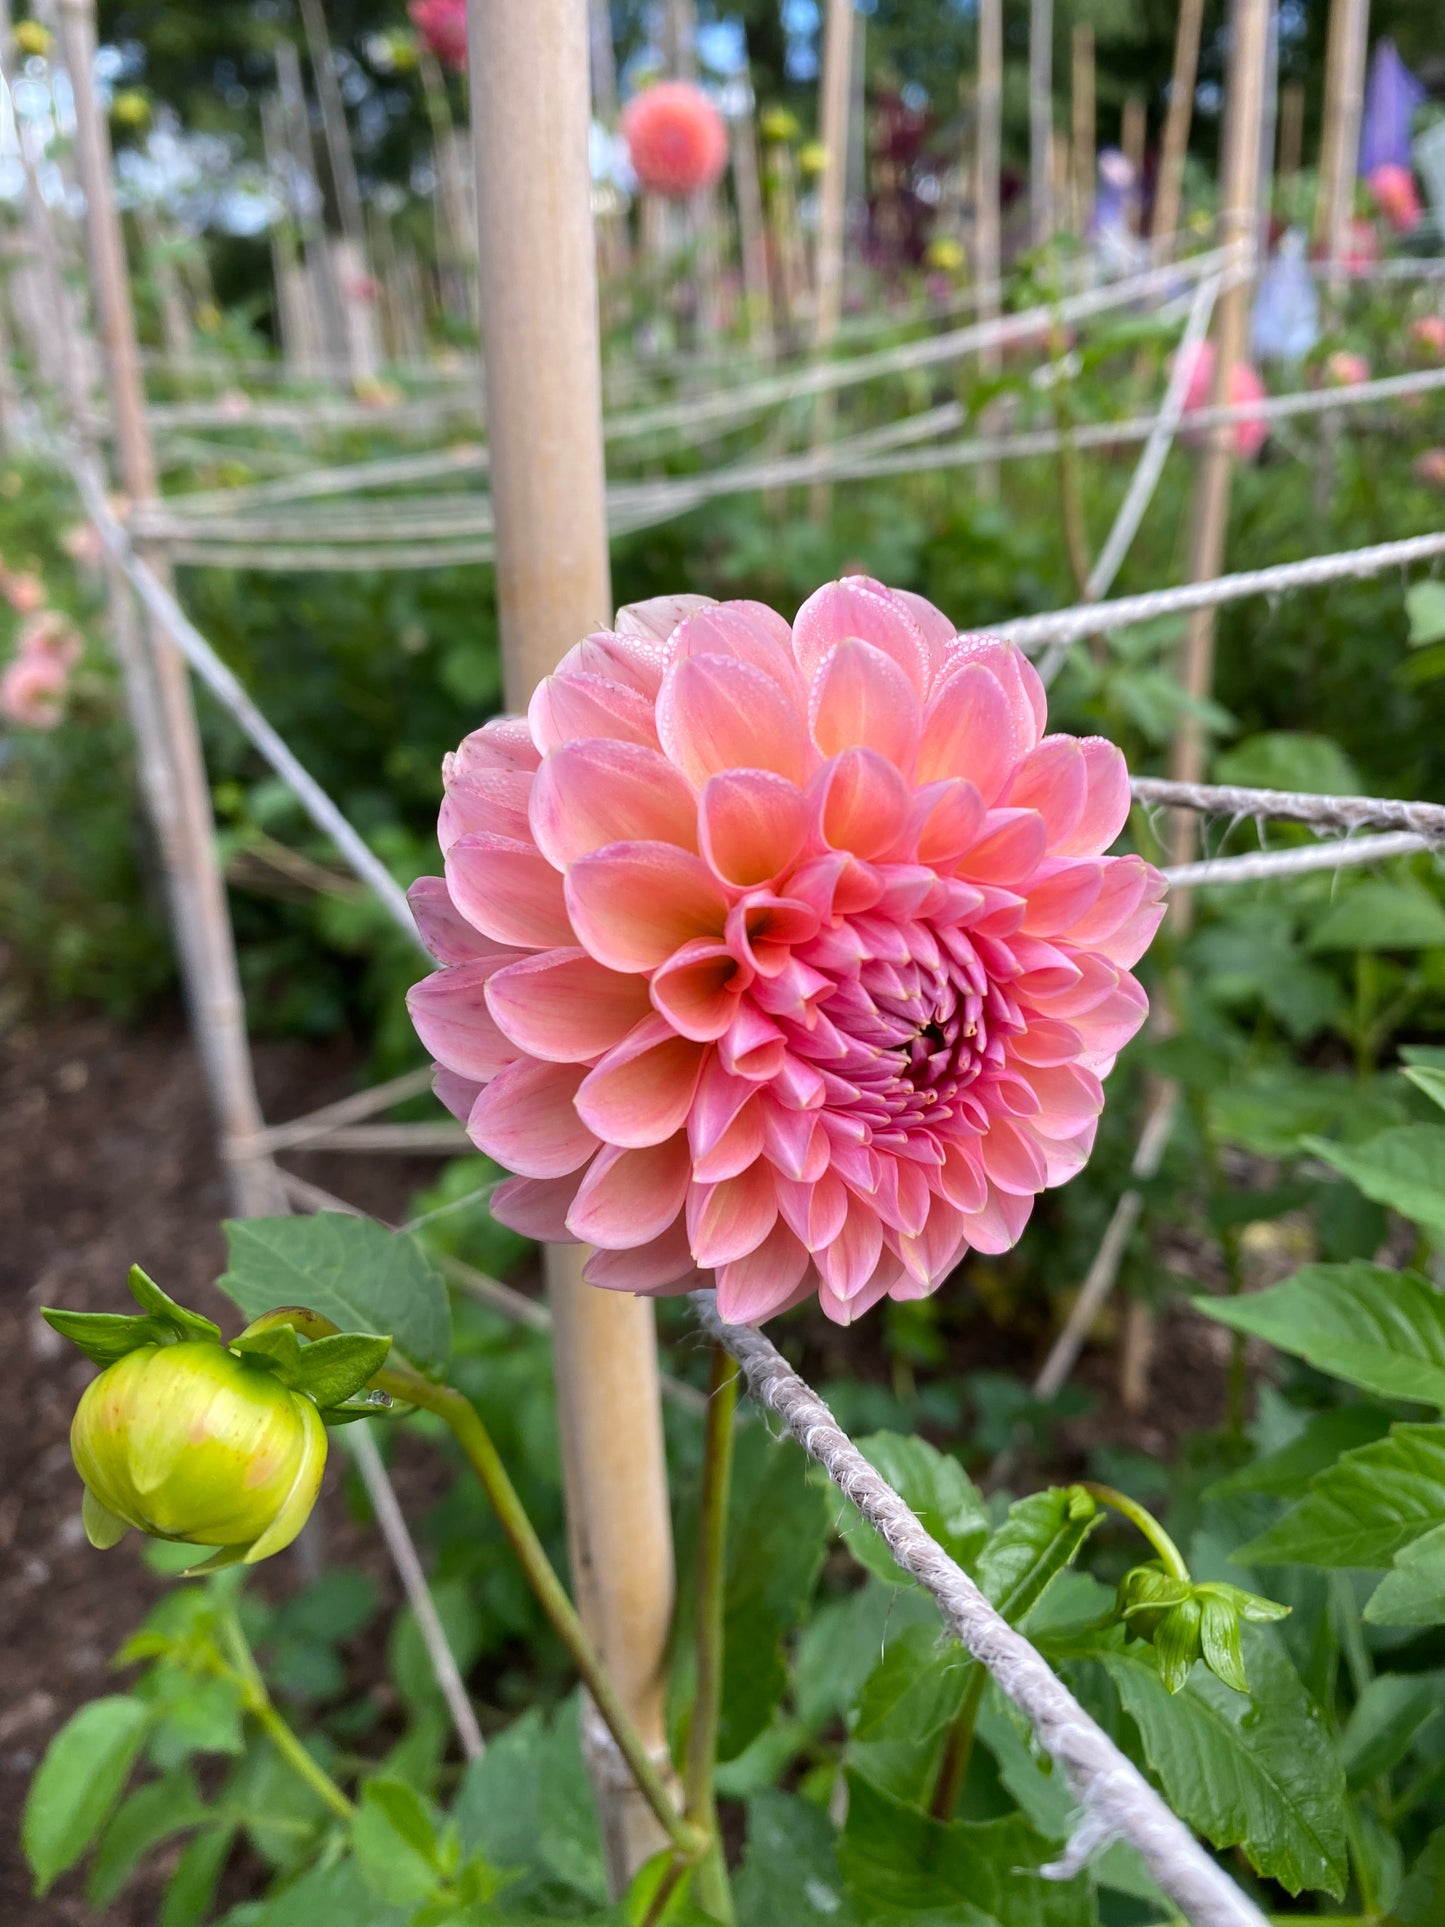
1185, 1621
190, 1442
188, 1438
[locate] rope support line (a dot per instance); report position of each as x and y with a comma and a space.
1285, 863
1427, 820
1117, 1802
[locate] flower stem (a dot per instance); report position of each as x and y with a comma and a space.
264, 1711
713, 1893
1139, 1516
958, 1749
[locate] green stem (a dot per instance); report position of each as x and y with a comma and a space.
263, 1709
1171, 1558
711, 1881
465, 1423
958, 1749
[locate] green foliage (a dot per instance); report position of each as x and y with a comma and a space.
79, 1782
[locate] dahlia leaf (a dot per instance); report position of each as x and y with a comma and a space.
1038, 1540
1258, 1772
354, 1272
790, 1875
948, 1504
1365, 1509
909, 1701
1403, 1168
1382, 1330
79, 1782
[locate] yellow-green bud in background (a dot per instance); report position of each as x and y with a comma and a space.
32, 38
189, 1442
812, 158
778, 126
130, 108
945, 255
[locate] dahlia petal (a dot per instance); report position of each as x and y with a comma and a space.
1012, 1162
1128, 943
638, 661
752, 1046
719, 1098
536, 1207
740, 1145
1064, 1158
960, 1177
1069, 1098
589, 794
748, 632
442, 927
859, 609
970, 730
458, 1094
1045, 1042
1114, 1018
754, 1287
633, 904
526, 1118
715, 713
1014, 674
628, 1198
658, 618
1125, 880
508, 891
937, 630
1059, 893
948, 816
663, 1265
726, 1221
763, 930
641, 1091
930, 1256
564, 1006
849, 1261
790, 1139
846, 1311
752, 826
1053, 779
1010, 849
449, 1013
1106, 801
697, 989
503, 743
489, 799
999, 1225
815, 1211
567, 708
862, 803
860, 698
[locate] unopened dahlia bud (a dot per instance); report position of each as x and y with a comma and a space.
188, 1442
1185, 1621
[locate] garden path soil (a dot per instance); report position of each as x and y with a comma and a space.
106, 1159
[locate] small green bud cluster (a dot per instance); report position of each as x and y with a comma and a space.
187, 1438
1185, 1620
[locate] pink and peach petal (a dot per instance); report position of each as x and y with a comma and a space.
752, 826
664, 1265
589, 794
490, 799
628, 1198
633, 904
526, 1118
755, 1287
565, 709
1106, 801
449, 1013
503, 743
697, 989
564, 1006
508, 891
641, 1092
970, 731
458, 1094
861, 699
863, 804
715, 714
727, 1220
1053, 779
857, 608
536, 1207
748, 632
442, 927
658, 617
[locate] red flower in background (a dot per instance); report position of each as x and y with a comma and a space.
676, 138
442, 25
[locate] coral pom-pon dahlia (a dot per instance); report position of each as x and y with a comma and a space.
676, 139
786, 955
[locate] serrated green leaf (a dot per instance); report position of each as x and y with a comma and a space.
395, 1842
362, 1277
948, 1504
1259, 1773
1286, 1474
158, 1304
1412, 1593
79, 1782
331, 1897
198, 1874
105, 1336
1425, 607
1380, 915
153, 1813
897, 1863
790, 1875
1384, 1723
1288, 759
1038, 1540
527, 1805
1364, 1509
909, 1701
1403, 1168
1382, 1330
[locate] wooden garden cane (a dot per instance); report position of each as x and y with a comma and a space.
198, 891
1084, 115
544, 414
1340, 137
1041, 121
1209, 514
988, 219
1169, 194
837, 92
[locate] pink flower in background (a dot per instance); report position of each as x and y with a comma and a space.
1430, 468
442, 25
1427, 331
83, 544
32, 691
1362, 248
676, 139
50, 635
1245, 386
1396, 196
24, 592
785, 957
1345, 369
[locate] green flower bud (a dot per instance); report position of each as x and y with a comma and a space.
189, 1442
1186, 1621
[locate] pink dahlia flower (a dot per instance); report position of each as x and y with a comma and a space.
32, 691
1430, 468
789, 956
442, 25
1245, 387
51, 636
1395, 194
676, 139
1345, 369
1427, 331
24, 592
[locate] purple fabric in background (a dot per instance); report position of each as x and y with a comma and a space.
1392, 94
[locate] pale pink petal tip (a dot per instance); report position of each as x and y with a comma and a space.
783, 958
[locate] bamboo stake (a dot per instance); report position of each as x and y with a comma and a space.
987, 218
1083, 118
679, 38
208, 956
175, 322
295, 123
1133, 137
1169, 194
1291, 132
299, 324
1041, 121
1339, 156
1268, 123
751, 231
334, 127
836, 92
544, 394
603, 57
